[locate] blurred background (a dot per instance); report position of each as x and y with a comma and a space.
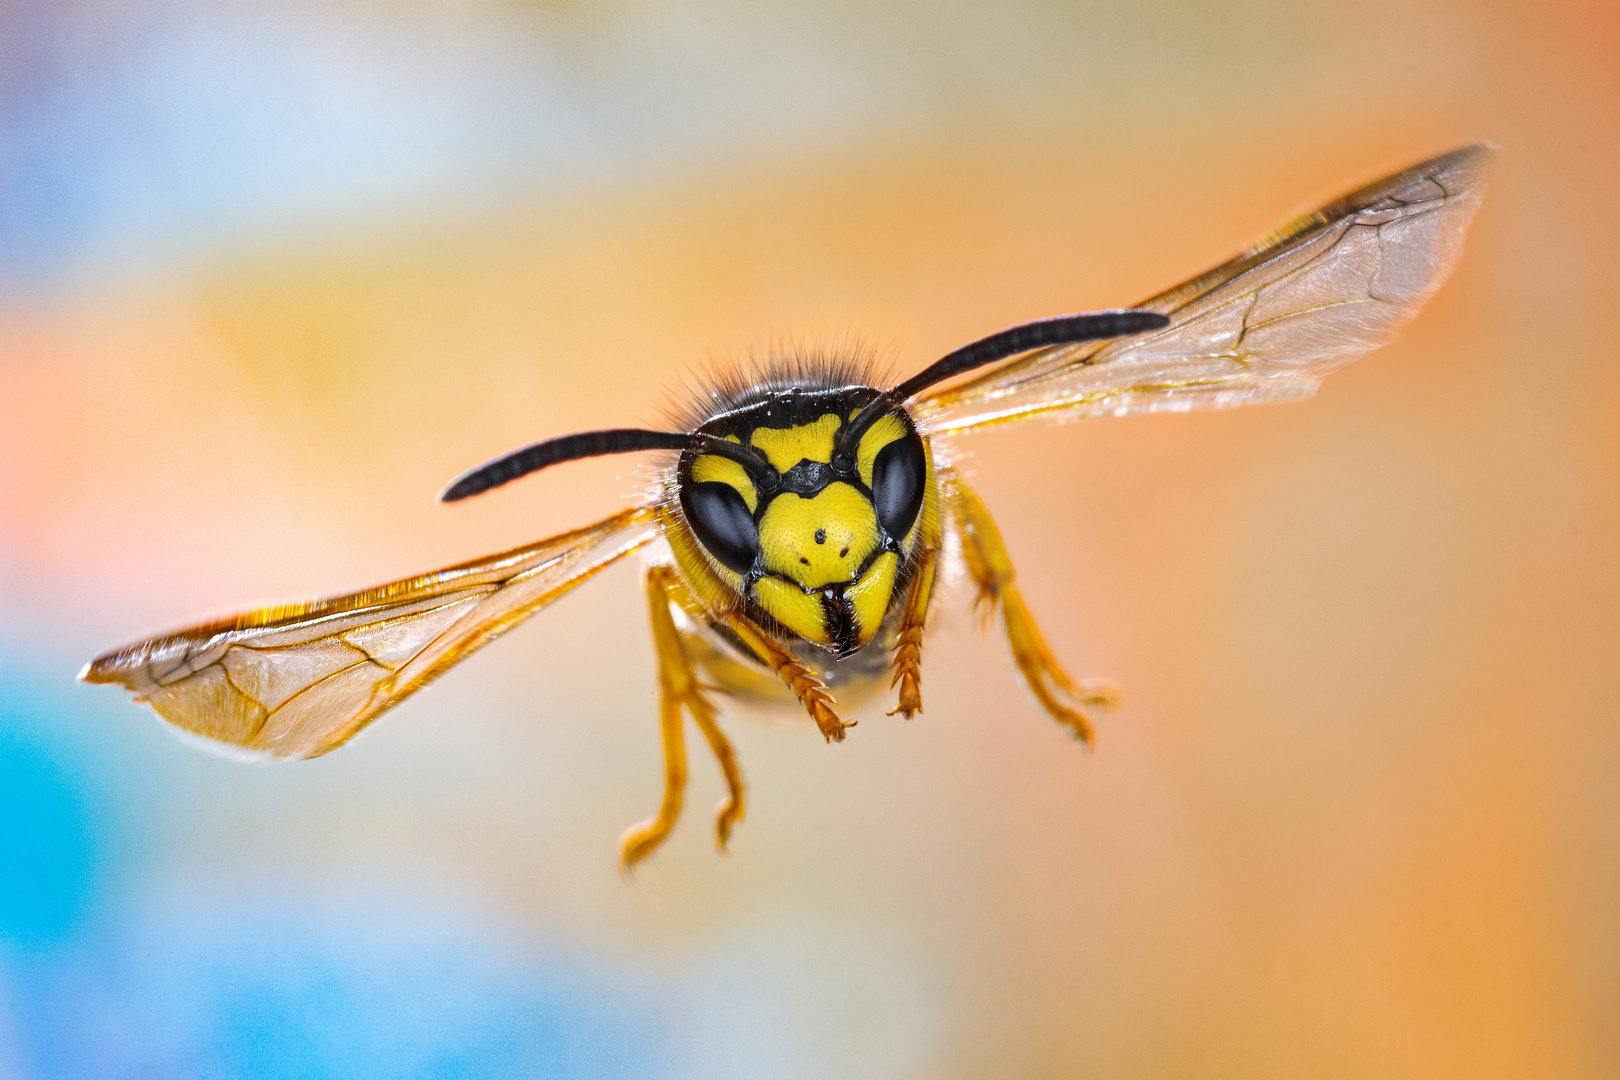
272, 271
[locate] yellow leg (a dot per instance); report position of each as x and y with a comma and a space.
908, 645
988, 563
734, 806
678, 687
811, 692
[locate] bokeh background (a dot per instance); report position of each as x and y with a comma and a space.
271, 272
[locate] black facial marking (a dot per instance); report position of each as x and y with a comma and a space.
807, 478
722, 523
719, 516
898, 476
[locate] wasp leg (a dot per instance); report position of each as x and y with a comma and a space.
811, 692
908, 644
678, 687
734, 806
992, 569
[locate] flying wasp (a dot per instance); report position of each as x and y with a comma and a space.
795, 535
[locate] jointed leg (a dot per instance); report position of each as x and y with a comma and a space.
908, 645
678, 687
992, 569
812, 694
733, 807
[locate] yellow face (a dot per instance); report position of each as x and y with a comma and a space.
818, 540
822, 540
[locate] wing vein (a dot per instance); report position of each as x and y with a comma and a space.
1325, 289
299, 680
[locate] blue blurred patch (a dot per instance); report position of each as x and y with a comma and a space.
136, 132
105, 973
299, 986
428, 1004
46, 854
48, 848
110, 968
142, 130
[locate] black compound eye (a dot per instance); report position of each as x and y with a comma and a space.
898, 476
723, 523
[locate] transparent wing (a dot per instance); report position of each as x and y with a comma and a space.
297, 681
1327, 288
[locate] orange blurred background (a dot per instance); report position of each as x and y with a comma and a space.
1357, 817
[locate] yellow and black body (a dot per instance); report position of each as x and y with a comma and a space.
815, 545
794, 540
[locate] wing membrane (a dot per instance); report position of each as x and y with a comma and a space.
1326, 289
298, 681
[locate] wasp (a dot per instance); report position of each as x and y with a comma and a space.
802, 517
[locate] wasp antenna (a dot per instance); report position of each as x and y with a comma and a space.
746, 456
1062, 330
540, 455
589, 444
